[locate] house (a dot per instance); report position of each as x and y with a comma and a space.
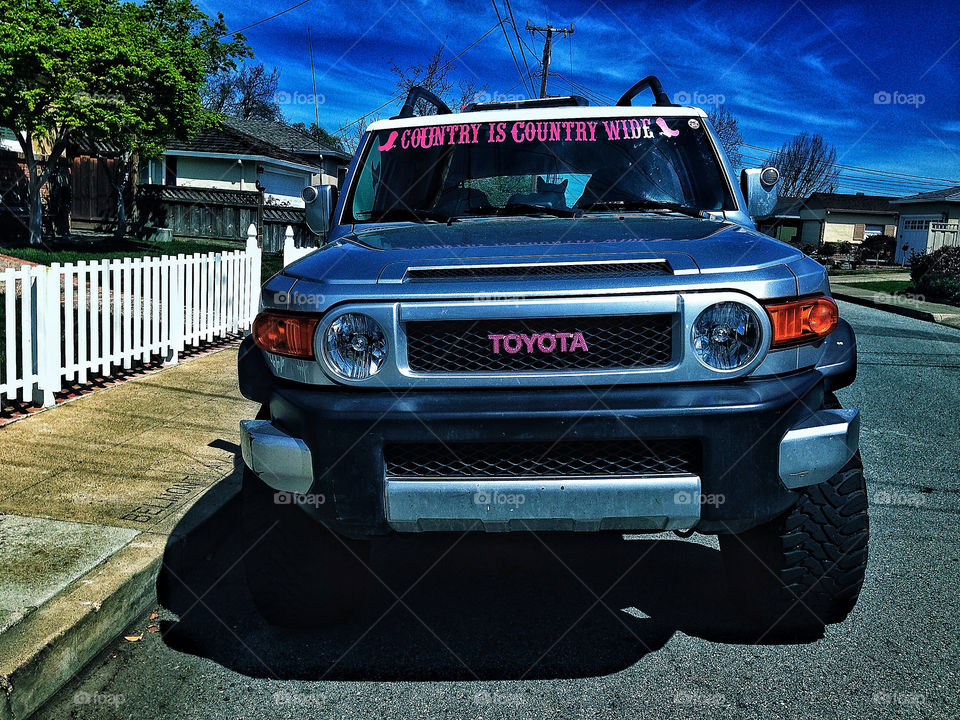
783, 223
245, 155
928, 221
837, 218
332, 162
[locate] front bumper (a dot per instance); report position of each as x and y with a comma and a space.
759, 440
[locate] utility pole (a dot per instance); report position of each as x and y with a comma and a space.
549, 30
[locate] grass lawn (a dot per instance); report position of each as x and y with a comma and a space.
115, 249
892, 287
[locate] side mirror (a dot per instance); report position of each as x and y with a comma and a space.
759, 188
320, 202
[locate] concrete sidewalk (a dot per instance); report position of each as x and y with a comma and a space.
90, 494
931, 312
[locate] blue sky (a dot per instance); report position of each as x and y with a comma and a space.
780, 67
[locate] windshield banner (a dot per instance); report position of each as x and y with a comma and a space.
527, 131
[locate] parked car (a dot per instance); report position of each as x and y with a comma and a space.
547, 316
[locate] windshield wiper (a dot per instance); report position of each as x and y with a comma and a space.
412, 214
646, 205
535, 210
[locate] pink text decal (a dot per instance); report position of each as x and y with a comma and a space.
544, 342
525, 131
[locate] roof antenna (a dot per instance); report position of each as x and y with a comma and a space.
316, 106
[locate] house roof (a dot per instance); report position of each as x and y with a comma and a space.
950, 194
858, 202
223, 139
283, 136
787, 207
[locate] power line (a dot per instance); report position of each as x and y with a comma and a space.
399, 95
512, 54
863, 169
519, 41
275, 15
548, 32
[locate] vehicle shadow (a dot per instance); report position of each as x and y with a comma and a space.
476, 606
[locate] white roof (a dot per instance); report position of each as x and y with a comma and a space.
543, 113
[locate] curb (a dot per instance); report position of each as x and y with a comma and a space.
949, 319
42, 652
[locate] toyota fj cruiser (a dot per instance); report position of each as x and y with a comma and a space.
546, 316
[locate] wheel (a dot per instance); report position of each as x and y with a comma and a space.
805, 569
299, 572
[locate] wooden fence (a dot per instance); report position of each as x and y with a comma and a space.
192, 212
69, 322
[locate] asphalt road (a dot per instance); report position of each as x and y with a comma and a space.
500, 627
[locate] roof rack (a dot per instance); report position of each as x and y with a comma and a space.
555, 101
416, 94
651, 82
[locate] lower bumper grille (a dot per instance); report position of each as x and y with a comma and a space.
542, 459
585, 343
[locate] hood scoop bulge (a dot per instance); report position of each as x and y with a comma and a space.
526, 271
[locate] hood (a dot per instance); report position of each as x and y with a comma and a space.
690, 245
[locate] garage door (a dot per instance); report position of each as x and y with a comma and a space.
913, 233
283, 184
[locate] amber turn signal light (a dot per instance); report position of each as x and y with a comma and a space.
289, 335
801, 321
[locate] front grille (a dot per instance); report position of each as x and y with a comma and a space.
542, 459
618, 342
613, 270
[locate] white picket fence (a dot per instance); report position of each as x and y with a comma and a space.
73, 321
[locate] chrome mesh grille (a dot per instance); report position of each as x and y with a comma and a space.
618, 342
631, 269
542, 459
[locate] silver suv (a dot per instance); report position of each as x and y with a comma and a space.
546, 316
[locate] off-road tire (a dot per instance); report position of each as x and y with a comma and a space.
299, 572
805, 569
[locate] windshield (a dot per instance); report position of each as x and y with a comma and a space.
538, 167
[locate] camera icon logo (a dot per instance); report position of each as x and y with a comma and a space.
682, 97
881, 98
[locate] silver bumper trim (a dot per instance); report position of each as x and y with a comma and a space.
662, 502
815, 450
283, 462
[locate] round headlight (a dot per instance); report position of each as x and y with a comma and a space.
354, 346
726, 336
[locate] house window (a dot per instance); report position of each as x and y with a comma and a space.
170, 170
871, 230
916, 224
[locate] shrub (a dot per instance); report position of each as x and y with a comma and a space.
828, 249
937, 274
877, 247
845, 248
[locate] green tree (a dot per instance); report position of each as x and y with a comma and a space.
320, 135
125, 73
